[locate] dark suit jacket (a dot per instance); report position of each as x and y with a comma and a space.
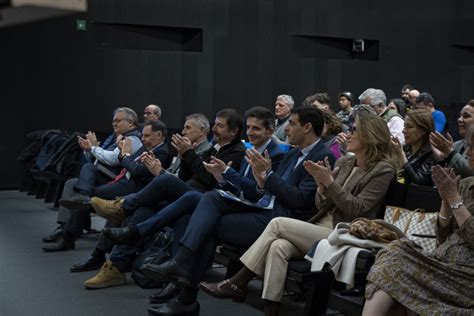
236, 180
294, 197
362, 196
193, 172
139, 172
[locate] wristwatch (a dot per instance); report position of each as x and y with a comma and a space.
456, 205
120, 156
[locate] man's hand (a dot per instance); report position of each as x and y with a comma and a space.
258, 162
181, 143
92, 138
216, 167
119, 141
260, 165
153, 165
84, 143
440, 145
126, 146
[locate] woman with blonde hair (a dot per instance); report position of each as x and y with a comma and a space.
356, 188
416, 155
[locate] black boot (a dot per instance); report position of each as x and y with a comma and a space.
128, 235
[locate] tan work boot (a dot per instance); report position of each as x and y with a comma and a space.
109, 209
108, 275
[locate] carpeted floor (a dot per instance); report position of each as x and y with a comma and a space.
36, 283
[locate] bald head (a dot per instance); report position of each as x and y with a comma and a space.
152, 113
412, 95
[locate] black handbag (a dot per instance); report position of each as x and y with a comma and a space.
156, 251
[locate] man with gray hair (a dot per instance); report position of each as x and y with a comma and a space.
378, 101
283, 105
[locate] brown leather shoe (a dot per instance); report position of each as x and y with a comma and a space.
224, 289
109, 209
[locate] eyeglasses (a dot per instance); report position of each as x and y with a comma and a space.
117, 120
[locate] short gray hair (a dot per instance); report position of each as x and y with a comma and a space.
288, 99
130, 115
376, 96
201, 121
156, 108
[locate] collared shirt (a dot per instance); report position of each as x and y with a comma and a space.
218, 147
110, 157
305, 151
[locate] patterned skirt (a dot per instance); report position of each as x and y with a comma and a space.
422, 282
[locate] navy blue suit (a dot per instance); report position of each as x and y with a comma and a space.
219, 220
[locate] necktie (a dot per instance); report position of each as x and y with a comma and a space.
268, 198
122, 174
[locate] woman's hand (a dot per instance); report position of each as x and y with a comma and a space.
447, 184
321, 172
399, 148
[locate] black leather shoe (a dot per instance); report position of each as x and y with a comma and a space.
55, 234
169, 271
78, 201
175, 307
60, 245
355, 291
91, 263
165, 294
122, 235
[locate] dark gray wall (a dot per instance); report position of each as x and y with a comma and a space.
190, 56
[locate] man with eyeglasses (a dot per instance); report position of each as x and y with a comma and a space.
103, 167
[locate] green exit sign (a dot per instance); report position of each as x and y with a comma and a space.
81, 25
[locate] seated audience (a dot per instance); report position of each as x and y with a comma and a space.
167, 188
260, 126
332, 127
378, 101
131, 178
283, 105
287, 192
405, 279
346, 100
416, 155
357, 190
426, 101
196, 128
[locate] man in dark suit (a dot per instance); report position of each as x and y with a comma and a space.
132, 177
290, 191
